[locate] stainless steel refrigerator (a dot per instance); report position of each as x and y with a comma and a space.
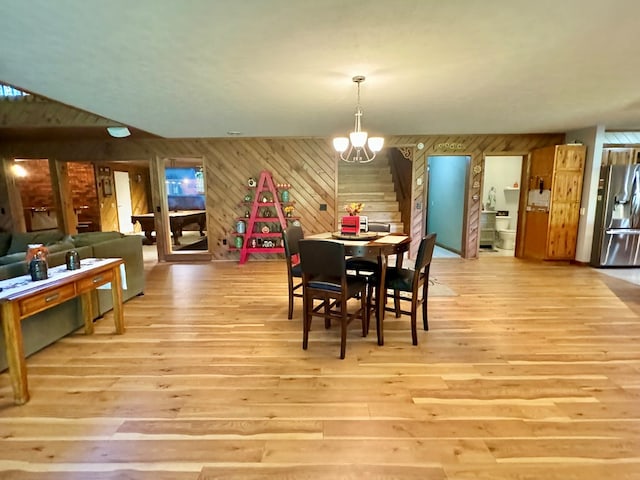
616, 235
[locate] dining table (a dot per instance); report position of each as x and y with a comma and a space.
380, 245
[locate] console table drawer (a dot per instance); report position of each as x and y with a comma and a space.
94, 281
44, 300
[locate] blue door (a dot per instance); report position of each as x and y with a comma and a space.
446, 194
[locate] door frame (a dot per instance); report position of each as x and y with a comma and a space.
160, 207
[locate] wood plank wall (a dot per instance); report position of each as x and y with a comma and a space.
36, 112
308, 164
477, 146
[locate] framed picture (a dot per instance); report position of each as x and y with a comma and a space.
107, 188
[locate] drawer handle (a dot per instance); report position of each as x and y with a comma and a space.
51, 298
97, 279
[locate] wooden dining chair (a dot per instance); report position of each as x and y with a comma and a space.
324, 278
366, 266
290, 237
412, 281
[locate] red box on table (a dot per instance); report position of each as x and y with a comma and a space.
351, 224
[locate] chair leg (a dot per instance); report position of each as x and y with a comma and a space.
425, 296
290, 315
306, 321
364, 312
343, 333
327, 310
396, 302
414, 314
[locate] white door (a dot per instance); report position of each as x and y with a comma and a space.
123, 199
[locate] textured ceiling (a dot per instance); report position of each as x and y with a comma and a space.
201, 68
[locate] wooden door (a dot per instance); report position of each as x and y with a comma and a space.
564, 210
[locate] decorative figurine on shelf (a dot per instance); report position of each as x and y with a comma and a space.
265, 229
247, 214
240, 226
284, 195
288, 210
247, 197
254, 243
252, 182
266, 212
238, 242
265, 199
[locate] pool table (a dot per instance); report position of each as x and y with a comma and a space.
177, 221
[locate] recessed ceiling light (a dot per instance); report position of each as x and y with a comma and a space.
118, 132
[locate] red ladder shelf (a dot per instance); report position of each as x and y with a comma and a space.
265, 184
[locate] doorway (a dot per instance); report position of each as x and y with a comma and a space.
178, 195
446, 193
123, 201
500, 204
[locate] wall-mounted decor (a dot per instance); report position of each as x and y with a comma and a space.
107, 187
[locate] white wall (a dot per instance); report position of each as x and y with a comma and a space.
502, 172
593, 138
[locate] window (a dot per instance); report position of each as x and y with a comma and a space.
8, 91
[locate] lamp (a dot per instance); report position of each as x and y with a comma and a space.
118, 132
358, 148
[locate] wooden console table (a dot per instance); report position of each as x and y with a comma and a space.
21, 298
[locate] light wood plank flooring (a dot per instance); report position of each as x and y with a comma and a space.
531, 372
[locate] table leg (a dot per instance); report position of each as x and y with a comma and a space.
176, 233
15, 352
380, 297
87, 312
116, 296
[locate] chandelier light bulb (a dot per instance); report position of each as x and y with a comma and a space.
358, 139
341, 144
376, 143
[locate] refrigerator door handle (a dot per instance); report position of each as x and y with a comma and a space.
623, 231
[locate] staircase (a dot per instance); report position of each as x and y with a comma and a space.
372, 184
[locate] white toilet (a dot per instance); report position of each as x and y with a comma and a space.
506, 235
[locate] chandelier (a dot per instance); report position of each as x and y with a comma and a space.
359, 147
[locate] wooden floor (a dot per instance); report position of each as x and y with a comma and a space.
531, 372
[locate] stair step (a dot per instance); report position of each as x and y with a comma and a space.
390, 206
355, 176
365, 197
365, 187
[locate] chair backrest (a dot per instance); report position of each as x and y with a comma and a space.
425, 251
323, 261
291, 236
379, 227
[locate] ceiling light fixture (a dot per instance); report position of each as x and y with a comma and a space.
358, 148
118, 132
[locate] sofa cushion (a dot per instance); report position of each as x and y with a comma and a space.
5, 241
61, 246
21, 240
13, 258
90, 238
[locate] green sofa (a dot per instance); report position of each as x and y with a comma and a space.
47, 327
